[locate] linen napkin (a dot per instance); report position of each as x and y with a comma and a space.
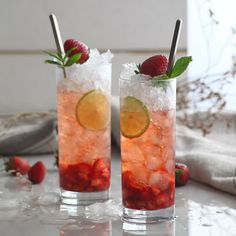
27, 133
211, 159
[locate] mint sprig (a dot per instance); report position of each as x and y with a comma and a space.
63, 60
180, 66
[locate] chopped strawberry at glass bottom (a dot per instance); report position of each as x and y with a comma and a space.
140, 196
84, 177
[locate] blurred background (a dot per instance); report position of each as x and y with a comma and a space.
132, 30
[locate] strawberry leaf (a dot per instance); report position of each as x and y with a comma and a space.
178, 171
73, 59
180, 66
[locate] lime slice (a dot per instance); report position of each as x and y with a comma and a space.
134, 117
93, 110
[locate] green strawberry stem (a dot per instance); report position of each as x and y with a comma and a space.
63, 60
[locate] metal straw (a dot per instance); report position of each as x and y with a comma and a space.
57, 36
174, 45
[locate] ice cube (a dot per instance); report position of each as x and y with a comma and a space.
8, 201
49, 198
154, 163
104, 210
95, 73
170, 167
128, 71
160, 179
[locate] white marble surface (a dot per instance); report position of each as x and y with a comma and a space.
26, 210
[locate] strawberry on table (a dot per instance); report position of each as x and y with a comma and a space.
181, 174
80, 47
37, 173
154, 66
17, 164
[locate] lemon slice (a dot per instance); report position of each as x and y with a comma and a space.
134, 117
93, 110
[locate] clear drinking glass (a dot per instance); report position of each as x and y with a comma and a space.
148, 156
84, 130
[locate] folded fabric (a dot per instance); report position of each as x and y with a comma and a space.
27, 133
211, 159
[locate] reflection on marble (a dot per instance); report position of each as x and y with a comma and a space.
163, 229
86, 228
205, 218
27, 210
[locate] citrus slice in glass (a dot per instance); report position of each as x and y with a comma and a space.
134, 117
93, 110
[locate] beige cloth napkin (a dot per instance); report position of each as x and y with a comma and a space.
211, 159
28, 133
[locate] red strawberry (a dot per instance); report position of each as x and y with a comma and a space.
37, 173
17, 164
79, 48
154, 66
181, 174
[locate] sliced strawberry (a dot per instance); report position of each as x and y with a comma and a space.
17, 164
83, 171
100, 184
37, 173
181, 174
154, 66
79, 48
101, 169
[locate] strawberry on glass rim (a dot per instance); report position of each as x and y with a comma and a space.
79, 47
156, 67
76, 52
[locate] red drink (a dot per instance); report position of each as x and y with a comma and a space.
84, 130
147, 119
84, 162
148, 176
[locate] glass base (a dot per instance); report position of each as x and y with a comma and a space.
83, 198
148, 216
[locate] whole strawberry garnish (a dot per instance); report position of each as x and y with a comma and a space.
154, 66
181, 174
37, 173
79, 47
16, 165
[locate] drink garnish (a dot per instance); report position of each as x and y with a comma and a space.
93, 110
159, 68
134, 117
63, 60
79, 47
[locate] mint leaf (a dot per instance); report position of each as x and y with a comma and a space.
160, 77
180, 66
55, 55
73, 59
160, 81
69, 51
53, 62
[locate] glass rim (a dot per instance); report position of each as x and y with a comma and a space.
149, 81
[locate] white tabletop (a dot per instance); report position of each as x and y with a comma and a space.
36, 210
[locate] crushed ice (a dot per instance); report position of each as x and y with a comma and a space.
140, 86
96, 72
111, 209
